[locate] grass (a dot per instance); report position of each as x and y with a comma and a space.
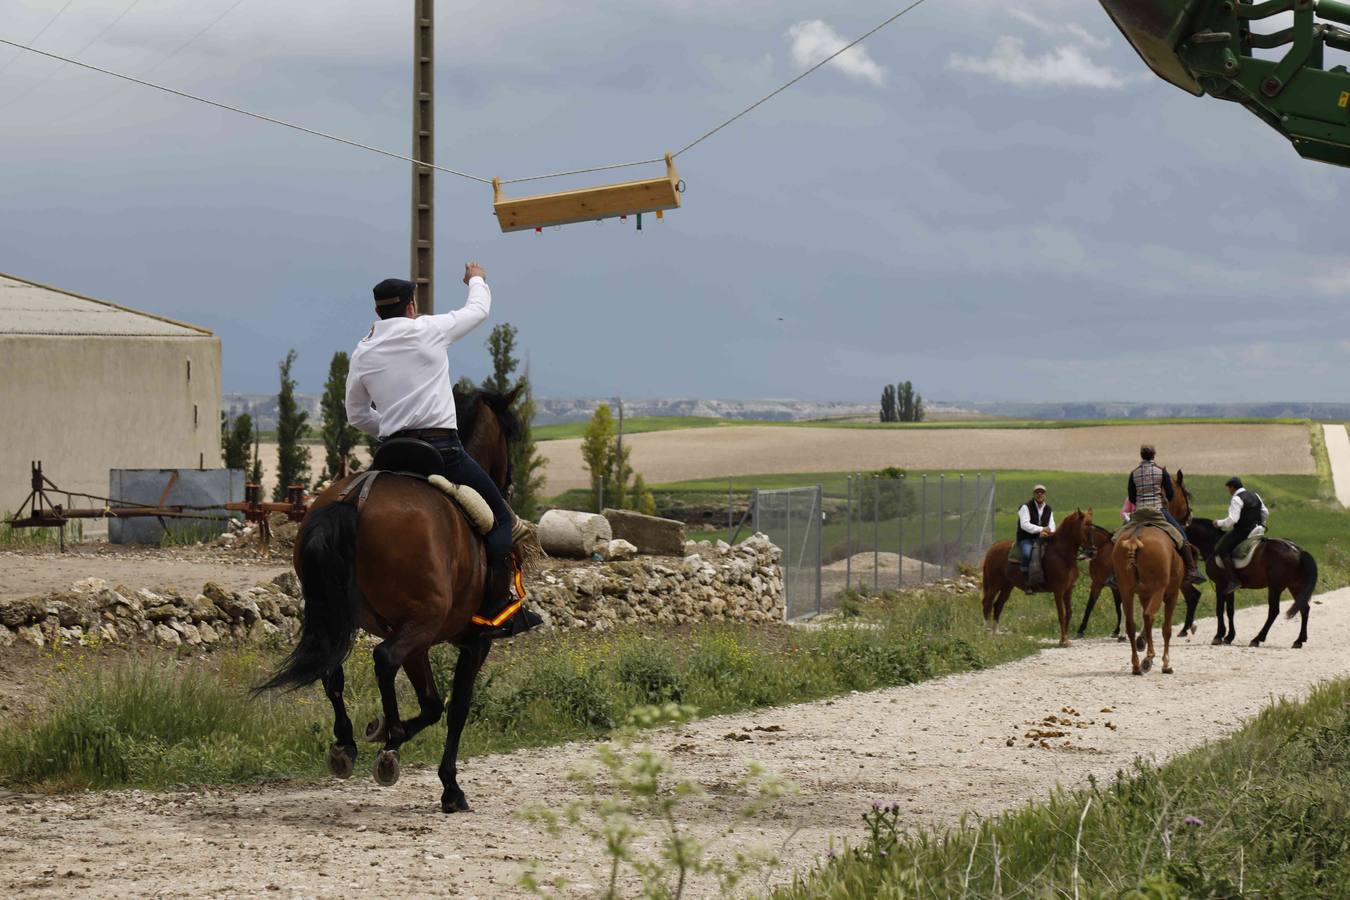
37, 538
1263, 813
148, 722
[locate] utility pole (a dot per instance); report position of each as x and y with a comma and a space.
423, 148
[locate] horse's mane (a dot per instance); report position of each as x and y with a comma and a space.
469, 408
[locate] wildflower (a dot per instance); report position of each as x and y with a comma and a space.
876, 806
1193, 821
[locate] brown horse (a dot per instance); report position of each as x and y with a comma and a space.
1061, 571
1100, 571
1147, 563
1276, 565
407, 567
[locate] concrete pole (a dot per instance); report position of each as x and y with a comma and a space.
423, 148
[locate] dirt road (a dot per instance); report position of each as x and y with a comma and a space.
663, 456
1338, 452
28, 572
940, 748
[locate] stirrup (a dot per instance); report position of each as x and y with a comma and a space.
500, 618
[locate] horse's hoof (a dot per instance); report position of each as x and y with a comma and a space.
386, 768
1167, 670
1229, 640
1120, 639
1146, 664
1298, 645
455, 804
341, 759
1081, 635
1138, 672
1216, 642
1064, 643
1140, 643
376, 732
1255, 642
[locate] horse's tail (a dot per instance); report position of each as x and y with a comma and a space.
1307, 573
327, 563
1132, 544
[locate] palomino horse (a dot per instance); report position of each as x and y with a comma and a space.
1061, 571
1147, 563
408, 568
1276, 565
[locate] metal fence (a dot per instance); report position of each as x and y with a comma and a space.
792, 519
903, 531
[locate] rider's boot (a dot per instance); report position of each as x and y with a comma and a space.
503, 613
1193, 575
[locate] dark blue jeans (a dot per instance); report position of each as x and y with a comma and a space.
1025, 546
461, 468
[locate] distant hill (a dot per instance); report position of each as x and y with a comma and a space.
1106, 410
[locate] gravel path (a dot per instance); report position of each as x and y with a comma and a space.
25, 573
663, 456
941, 748
1338, 451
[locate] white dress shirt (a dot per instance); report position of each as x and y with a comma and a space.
1024, 519
401, 368
1235, 510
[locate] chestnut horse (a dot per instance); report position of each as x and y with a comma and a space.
1276, 565
1147, 563
1099, 578
407, 567
1060, 565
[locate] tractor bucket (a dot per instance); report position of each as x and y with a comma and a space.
1154, 28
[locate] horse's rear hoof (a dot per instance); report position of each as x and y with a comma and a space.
376, 731
1255, 642
1146, 664
1140, 643
1167, 670
341, 760
1218, 641
386, 768
1081, 635
1138, 672
1298, 645
1120, 639
455, 804
1064, 643
1229, 639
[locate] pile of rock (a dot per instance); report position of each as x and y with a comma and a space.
92, 612
712, 582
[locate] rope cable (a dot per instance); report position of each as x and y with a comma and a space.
389, 153
769, 96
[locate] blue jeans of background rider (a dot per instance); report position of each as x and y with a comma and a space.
1167, 514
1024, 547
461, 468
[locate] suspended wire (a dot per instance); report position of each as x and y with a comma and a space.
332, 137
192, 40
769, 96
243, 112
41, 32
92, 41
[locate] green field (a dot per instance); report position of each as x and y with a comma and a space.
1263, 813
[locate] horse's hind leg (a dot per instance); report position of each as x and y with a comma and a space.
1115, 592
1092, 602
1169, 607
1192, 596
342, 755
471, 658
390, 656
418, 669
1303, 628
1273, 598
1230, 604
1003, 595
1130, 631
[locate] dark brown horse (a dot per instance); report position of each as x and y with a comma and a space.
1060, 565
410, 569
1147, 564
1276, 565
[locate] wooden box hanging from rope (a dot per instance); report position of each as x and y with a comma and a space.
588, 204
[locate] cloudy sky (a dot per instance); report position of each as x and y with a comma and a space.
993, 202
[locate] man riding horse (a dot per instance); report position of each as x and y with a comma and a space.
1035, 523
398, 386
1150, 487
1246, 510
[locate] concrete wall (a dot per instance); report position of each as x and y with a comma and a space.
87, 404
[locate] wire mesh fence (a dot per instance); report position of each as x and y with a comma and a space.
791, 518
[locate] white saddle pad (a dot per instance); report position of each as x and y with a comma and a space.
469, 500
1242, 556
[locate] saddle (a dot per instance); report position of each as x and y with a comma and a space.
411, 458
1150, 518
1243, 553
1035, 566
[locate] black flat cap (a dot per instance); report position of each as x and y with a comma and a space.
1234, 482
393, 290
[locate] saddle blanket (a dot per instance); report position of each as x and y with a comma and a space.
469, 500
1146, 518
1242, 555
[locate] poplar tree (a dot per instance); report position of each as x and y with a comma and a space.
238, 442
527, 464
292, 456
597, 452
339, 437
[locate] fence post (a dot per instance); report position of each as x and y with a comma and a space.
900, 523
848, 548
730, 524
787, 581
820, 526
942, 526
923, 531
961, 516
876, 535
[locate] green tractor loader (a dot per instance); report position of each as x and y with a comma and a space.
1205, 47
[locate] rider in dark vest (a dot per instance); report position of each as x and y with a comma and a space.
1245, 511
1151, 487
1035, 521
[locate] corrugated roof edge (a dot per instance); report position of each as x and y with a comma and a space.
135, 312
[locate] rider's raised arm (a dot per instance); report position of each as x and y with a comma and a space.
454, 325
359, 411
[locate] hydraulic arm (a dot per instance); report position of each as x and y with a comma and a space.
1205, 47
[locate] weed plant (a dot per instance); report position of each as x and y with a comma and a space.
152, 722
1263, 813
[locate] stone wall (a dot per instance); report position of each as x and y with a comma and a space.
712, 582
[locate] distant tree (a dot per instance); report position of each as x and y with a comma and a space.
643, 500
339, 437
292, 457
918, 408
597, 452
501, 344
904, 392
527, 463
888, 409
465, 385
255, 474
238, 443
